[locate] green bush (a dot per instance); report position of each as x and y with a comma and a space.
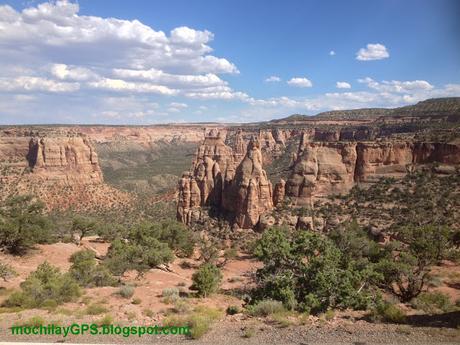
83, 226
107, 320
44, 285
141, 252
126, 291
206, 279
433, 302
199, 321
389, 313
95, 309
87, 272
23, 224
233, 309
266, 308
420, 247
306, 271
170, 295
6, 271
34, 321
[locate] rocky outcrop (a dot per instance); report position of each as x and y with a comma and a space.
250, 194
244, 192
212, 169
326, 168
59, 167
64, 158
279, 192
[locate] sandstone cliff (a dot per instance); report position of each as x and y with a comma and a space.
326, 168
219, 178
61, 168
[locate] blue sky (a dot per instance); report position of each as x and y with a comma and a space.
142, 62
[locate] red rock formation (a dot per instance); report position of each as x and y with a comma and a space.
279, 192
251, 193
325, 168
60, 168
245, 192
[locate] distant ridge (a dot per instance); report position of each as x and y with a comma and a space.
429, 107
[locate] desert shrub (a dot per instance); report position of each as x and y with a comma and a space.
23, 224
249, 332
140, 251
110, 231
329, 315
209, 250
126, 291
49, 304
306, 271
95, 309
87, 272
136, 300
206, 279
181, 306
107, 320
6, 271
432, 302
266, 308
199, 321
232, 310
178, 237
44, 284
419, 247
83, 226
34, 321
148, 312
170, 295
388, 312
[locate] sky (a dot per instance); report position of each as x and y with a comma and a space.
174, 61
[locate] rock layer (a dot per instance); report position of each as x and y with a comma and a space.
326, 168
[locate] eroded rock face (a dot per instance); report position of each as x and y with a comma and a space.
59, 167
251, 193
279, 192
244, 191
65, 159
325, 168
322, 169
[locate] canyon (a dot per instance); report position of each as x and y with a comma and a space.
240, 171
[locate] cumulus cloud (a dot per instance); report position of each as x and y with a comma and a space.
342, 85
64, 72
396, 85
105, 54
372, 51
30, 84
300, 82
272, 79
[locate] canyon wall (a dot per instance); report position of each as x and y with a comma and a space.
327, 162
59, 167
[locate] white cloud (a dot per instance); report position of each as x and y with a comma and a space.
30, 84
342, 85
396, 85
121, 85
178, 105
273, 78
64, 72
375, 51
300, 82
332, 53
